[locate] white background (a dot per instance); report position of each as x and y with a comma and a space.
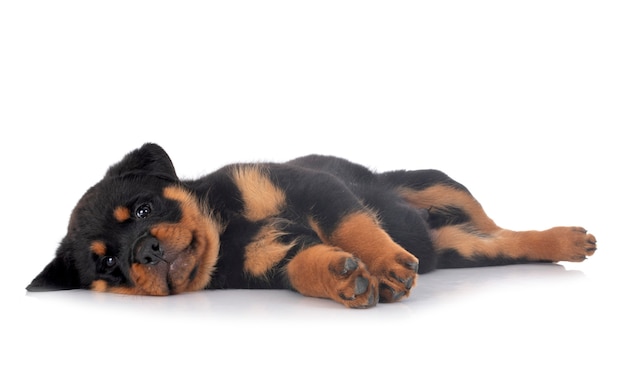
523, 102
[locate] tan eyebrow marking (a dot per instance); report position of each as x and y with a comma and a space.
99, 248
121, 213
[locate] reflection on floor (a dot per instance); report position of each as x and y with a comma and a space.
524, 324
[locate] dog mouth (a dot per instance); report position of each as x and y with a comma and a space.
173, 257
166, 261
182, 268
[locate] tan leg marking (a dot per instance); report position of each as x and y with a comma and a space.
394, 267
482, 237
555, 244
328, 272
440, 196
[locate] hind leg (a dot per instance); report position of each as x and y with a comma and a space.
461, 247
465, 236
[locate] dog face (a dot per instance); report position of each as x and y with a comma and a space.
138, 231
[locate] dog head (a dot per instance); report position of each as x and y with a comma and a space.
137, 231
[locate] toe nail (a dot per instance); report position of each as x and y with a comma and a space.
398, 295
413, 266
373, 299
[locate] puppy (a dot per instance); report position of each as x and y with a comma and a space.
318, 225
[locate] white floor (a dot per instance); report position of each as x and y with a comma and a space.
521, 101
530, 324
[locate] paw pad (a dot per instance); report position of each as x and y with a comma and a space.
396, 276
356, 287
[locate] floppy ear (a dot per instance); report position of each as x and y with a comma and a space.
150, 159
59, 274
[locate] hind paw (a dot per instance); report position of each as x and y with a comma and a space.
585, 243
575, 244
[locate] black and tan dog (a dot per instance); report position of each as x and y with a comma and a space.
321, 226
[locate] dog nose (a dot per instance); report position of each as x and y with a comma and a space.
148, 251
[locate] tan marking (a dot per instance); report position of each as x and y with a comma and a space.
148, 280
99, 285
359, 233
206, 230
555, 244
121, 213
102, 286
262, 199
99, 248
317, 271
441, 195
467, 244
265, 251
308, 270
317, 229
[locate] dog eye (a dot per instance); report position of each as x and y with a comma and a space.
109, 261
143, 211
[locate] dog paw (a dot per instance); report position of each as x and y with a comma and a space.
575, 243
355, 286
584, 243
396, 276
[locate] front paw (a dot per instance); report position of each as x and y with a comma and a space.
396, 276
355, 286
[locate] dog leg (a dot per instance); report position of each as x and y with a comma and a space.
462, 248
396, 269
465, 236
328, 272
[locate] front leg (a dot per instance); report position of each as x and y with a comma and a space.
328, 272
340, 219
360, 234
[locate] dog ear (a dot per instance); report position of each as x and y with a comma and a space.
59, 274
150, 159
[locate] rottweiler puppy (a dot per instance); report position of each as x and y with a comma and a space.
318, 225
